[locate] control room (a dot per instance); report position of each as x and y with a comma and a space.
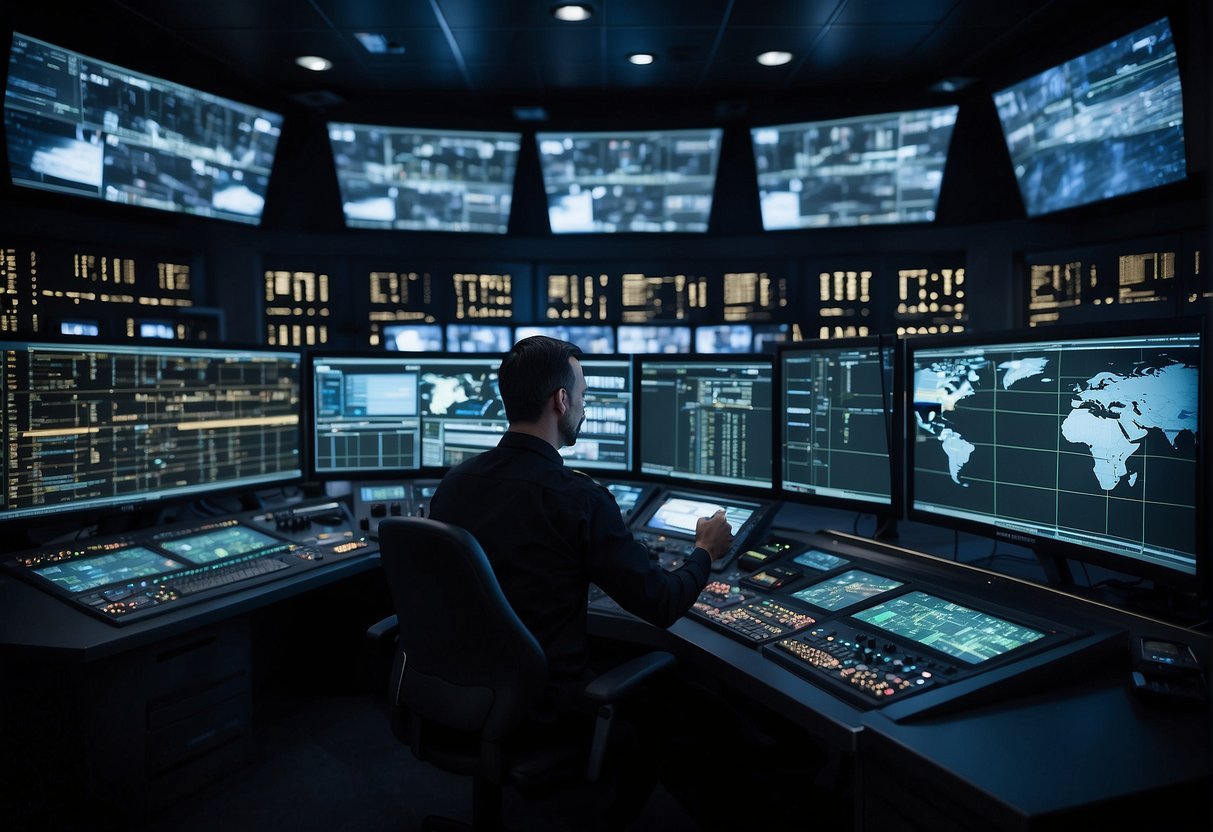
879, 411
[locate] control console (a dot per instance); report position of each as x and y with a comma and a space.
862, 668
374, 501
667, 524
124, 578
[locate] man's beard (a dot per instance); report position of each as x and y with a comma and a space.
569, 432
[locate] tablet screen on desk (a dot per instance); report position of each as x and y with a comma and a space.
846, 590
963, 633
680, 514
82, 574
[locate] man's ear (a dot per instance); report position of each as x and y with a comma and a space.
562, 401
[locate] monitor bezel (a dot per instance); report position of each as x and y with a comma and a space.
373, 356
893, 509
1045, 547
138, 506
689, 482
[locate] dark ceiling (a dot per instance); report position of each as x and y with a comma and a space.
495, 55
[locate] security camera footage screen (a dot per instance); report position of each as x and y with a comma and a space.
1105, 124
80, 126
629, 182
868, 170
424, 180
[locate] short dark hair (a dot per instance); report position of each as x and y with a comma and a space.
531, 372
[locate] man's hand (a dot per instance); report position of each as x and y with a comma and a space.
713, 535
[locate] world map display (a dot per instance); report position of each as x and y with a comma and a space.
1095, 445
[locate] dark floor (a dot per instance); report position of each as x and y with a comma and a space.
331, 762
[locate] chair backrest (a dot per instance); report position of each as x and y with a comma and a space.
469, 663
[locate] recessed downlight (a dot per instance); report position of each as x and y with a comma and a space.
314, 62
572, 12
641, 58
774, 58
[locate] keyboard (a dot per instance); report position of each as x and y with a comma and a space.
200, 580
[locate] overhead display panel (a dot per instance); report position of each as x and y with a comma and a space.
1105, 124
80, 126
654, 181
867, 170
424, 180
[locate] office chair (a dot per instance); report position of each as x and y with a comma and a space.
466, 672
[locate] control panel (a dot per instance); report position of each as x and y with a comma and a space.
862, 668
756, 621
125, 578
374, 501
667, 524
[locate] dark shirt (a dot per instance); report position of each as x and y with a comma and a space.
550, 531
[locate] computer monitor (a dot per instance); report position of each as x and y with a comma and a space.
413, 337
1079, 443
1105, 124
706, 419
866, 170
376, 415
478, 338
652, 181
767, 337
80, 126
724, 338
594, 340
366, 414
462, 412
424, 179
653, 338
157, 329
105, 427
605, 440
79, 328
836, 423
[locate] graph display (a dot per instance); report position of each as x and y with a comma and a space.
846, 590
218, 544
82, 574
90, 426
424, 180
1107, 123
955, 630
707, 421
868, 170
77, 125
1089, 441
837, 398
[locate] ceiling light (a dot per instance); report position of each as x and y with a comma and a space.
378, 44
314, 63
642, 58
572, 12
774, 58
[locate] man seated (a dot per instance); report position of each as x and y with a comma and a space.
550, 531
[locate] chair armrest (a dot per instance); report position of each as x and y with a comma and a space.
387, 628
622, 680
